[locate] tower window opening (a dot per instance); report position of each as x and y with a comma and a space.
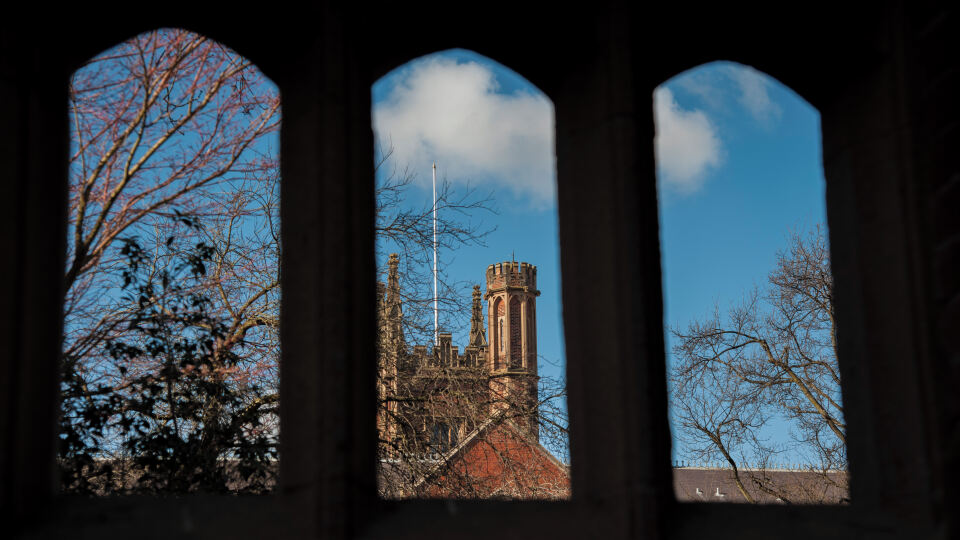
516, 343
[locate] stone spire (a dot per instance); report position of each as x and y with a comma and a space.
392, 314
478, 335
392, 348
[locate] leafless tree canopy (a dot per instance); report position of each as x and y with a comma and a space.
172, 159
405, 226
769, 361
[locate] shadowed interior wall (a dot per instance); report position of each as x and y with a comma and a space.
886, 89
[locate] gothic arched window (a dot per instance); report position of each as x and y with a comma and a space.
516, 345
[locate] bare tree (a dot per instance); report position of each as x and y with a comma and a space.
170, 153
168, 122
406, 227
184, 415
771, 360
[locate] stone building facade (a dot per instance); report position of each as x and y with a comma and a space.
455, 423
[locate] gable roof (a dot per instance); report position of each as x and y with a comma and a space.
511, 445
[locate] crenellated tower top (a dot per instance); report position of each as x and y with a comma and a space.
512, 275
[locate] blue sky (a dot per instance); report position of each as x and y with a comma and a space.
739, 167
758, 176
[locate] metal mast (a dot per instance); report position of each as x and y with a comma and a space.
436, 316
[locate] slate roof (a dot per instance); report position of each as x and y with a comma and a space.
766, 486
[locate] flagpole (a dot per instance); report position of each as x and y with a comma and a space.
436, 316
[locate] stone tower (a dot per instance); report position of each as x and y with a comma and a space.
512, 333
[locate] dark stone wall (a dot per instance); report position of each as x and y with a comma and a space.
883, 79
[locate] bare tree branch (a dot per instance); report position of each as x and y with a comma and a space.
772, 358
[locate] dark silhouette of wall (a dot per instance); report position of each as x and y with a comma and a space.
882, 79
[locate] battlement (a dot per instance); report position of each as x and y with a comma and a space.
512, 274
446, 355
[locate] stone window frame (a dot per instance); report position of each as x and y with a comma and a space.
612, 297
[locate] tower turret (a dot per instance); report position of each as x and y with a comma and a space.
512, 318
512, 333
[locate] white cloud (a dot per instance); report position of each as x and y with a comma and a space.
754, 96
687, 144
452, 112
705, 84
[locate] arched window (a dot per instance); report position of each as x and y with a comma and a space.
888, 125
754, 372
171, 339
500, 351
516, 341
465, 175
531, 322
